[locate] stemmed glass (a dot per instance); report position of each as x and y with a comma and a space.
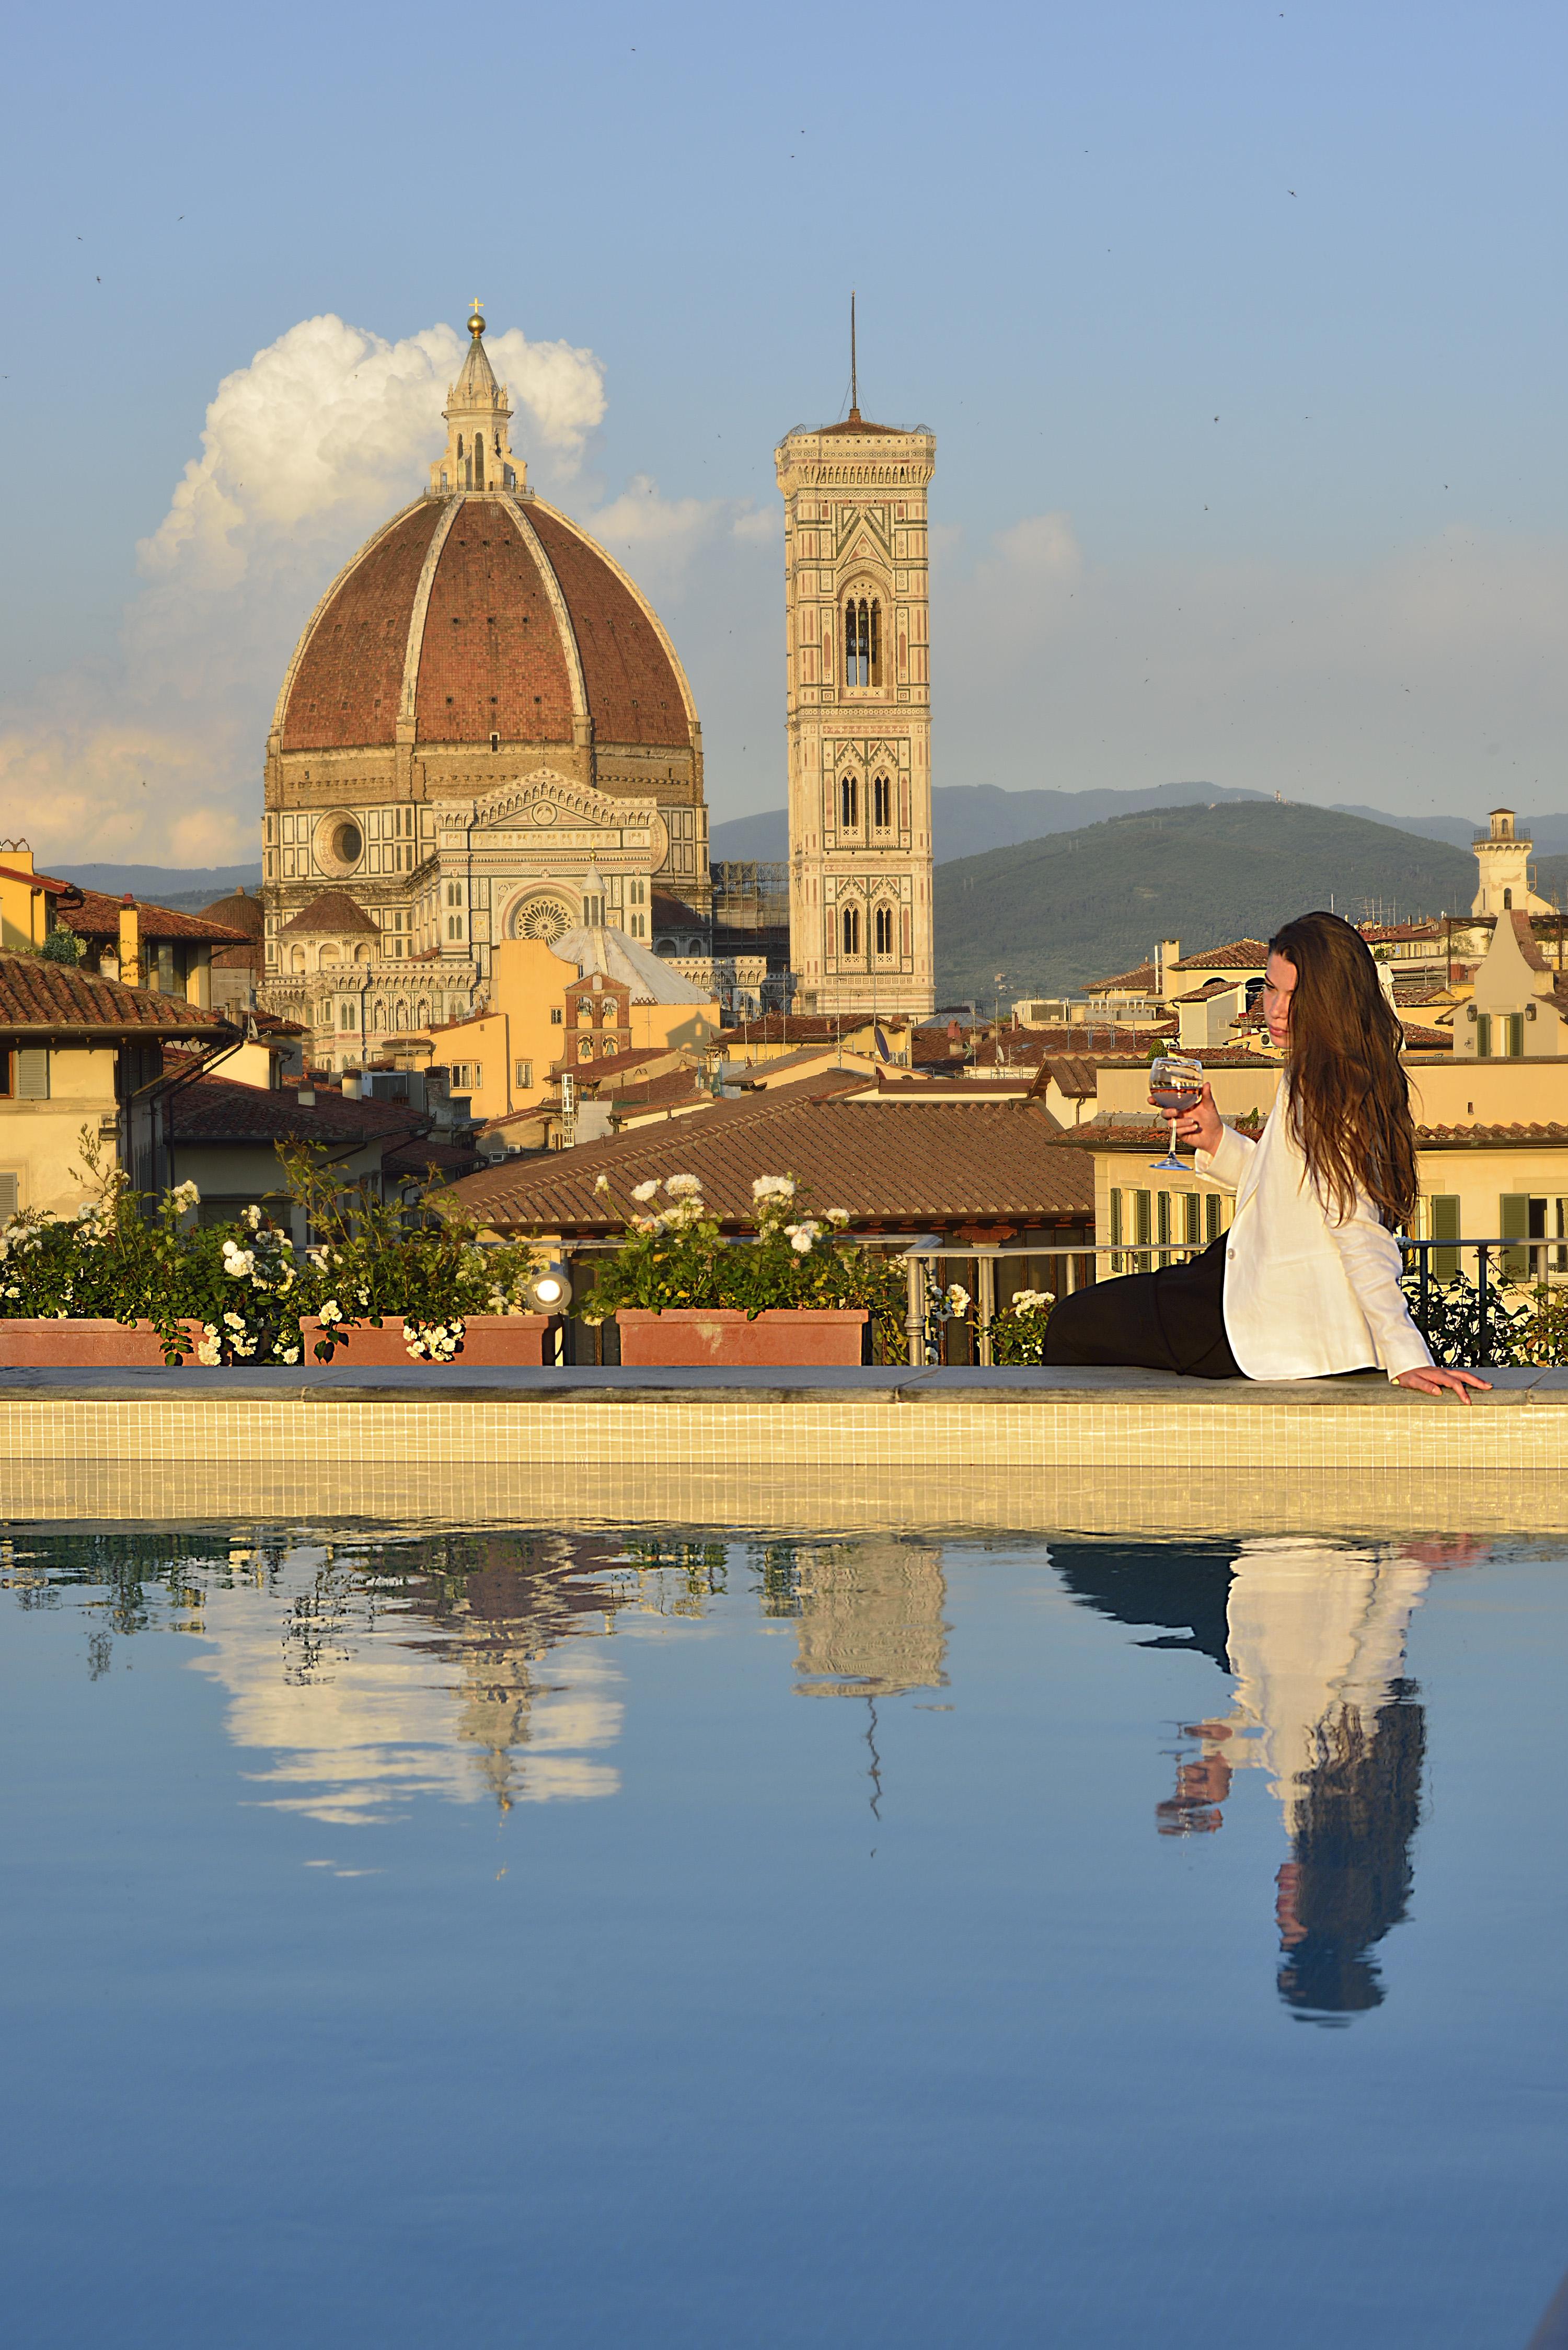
1175, 1085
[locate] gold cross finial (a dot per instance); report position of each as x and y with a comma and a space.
476, 320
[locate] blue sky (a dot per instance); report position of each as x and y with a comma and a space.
1240, 329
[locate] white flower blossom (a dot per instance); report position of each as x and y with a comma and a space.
209, 1347
251, 1217
238, 1262
643, 1192
838, 1216
234, 1321
331, 1312
286, 1354
683, 1187
802, 1237
773, 1187
601, 1182
958, 1299
1030, 1301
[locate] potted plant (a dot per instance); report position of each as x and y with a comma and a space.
799, 1293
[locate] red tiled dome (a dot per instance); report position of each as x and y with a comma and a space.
482, 614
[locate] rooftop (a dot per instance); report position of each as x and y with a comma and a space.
895, 1165
39, 998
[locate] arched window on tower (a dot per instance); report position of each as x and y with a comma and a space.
881, 803
875, 642
884, 929
479, 460
848, 802
856, 642
1507, 901
849, 930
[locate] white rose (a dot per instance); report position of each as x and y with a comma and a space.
643, 1192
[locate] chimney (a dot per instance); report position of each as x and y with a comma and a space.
1166, 956
130, 943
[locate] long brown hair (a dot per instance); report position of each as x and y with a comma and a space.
1350, 1101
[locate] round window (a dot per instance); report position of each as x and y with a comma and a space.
347, 843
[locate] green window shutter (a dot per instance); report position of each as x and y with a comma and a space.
1443, 1213
1513, 1037
1513, 1221
1483, 1037
1192, 1211
1211, 1215
33, 1075
10, 1194
1115, 1215
1141, 1213
1162, 1218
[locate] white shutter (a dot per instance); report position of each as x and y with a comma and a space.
33, 1075
10, 1194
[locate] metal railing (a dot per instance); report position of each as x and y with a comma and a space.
1503, 1260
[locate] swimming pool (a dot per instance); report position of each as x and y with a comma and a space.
494, 1938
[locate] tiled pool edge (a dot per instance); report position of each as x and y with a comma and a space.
808, 1452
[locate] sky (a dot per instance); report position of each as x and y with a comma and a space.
1238, 327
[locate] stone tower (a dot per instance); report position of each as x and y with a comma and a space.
1503, 854
858, 714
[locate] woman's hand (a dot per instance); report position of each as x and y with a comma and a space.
1428, 1379
1201, 1128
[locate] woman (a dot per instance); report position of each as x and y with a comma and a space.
1306, 1282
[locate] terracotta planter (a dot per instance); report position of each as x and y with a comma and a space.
686, 1335
86, 1345
490, 1341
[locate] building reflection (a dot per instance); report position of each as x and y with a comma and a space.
1315, 1636
868, 1615
461, 1668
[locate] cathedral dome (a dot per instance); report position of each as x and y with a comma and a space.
482, 614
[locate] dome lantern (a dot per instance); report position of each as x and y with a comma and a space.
478, 414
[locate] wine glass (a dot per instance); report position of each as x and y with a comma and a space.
1175, 1085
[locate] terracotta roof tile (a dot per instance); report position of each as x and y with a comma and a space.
97, 917
334, 913
349, 676
903, 1165
220, 1109
633, 691
490, 659
1140, 981
51, 997
1240, 954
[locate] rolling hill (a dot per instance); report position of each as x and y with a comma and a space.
1076, 906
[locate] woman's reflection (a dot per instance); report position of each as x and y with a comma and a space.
1316, 1635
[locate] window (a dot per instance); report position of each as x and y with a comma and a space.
32, 1075
558, 1015
1483, 1036
523, 1074
347, 1013
849, 930
850, 801
10, 1191
1443, 1224
862, 642
881, 803
1211, 1215
1522, 1217
884, 929
5, 1076
1513, 1037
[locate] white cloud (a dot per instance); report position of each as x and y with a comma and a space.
304, 452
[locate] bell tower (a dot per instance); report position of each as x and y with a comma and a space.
477, 455
857, 641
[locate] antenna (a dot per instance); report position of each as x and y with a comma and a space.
854, 367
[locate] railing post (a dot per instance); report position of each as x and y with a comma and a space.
985, 1299
1426, 1288
915, 1319
1483, 1302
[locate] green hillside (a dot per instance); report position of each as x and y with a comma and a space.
1077, 906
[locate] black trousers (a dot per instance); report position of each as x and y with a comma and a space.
1172, 1320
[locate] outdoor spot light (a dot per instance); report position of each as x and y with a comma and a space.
550, 1291
1470, 1012
1530, 1011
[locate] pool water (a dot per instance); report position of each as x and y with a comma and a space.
512, 1937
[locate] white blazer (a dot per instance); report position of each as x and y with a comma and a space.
1305, 1295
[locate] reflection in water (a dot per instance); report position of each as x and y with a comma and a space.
1315, 1636
366, 1673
